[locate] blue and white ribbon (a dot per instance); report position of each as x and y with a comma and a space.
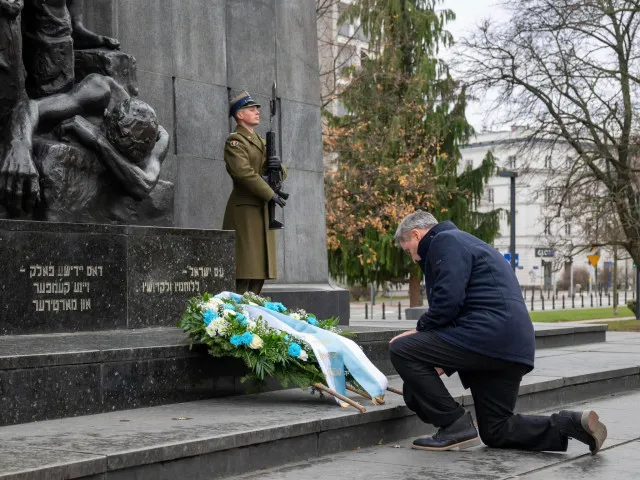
334, 352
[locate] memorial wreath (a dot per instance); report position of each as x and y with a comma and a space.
292, 346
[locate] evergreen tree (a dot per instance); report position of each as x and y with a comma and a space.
398, 148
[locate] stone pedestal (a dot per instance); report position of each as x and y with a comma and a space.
414, 313
322, 300
71, 277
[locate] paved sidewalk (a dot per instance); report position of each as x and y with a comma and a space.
619, 459
357, 314
605, 320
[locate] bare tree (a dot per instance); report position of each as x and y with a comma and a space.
569, 69
338, 50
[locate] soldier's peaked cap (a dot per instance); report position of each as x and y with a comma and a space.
241, 100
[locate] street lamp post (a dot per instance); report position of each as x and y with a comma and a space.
512, 245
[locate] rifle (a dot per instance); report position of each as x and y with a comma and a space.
273, 175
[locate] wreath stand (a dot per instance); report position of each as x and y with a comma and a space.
346, 401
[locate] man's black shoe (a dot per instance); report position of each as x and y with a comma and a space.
585, 427
460, 434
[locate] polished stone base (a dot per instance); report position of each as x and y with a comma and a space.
43, 377
321, 299
62, 277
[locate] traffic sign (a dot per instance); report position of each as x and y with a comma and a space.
545, 252
507, 257
593, 259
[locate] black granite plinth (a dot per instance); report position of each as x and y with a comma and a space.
322, 300
44, 377
61, 277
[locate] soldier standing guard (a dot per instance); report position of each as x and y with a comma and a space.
245, 154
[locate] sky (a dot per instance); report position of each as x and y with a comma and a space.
469, 14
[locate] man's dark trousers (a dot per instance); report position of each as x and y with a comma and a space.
494, 386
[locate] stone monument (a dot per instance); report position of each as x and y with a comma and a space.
131, 131
190, 55
77, 145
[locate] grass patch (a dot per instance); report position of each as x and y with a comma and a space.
624, 326
576, 315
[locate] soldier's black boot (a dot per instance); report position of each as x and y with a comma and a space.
459, 435
584, 427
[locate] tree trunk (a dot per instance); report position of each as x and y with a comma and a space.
415, 299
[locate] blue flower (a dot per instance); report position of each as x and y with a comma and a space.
246, 338
241, 319
209, 316
236, 340
286, 338
294, 350
275, 306
312, 321
229, 306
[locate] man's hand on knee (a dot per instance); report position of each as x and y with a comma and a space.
404, 334
439, 371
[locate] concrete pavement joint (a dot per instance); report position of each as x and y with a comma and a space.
569, 460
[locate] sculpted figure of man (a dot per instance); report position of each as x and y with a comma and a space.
50, 31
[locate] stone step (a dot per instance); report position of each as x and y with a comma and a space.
51, 376
229, 436
44, 377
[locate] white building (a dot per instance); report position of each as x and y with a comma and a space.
542, 239
341, 45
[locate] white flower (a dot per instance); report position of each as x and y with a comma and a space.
251, 324
295, 316
303, 356
213, 304
254, 304
219, 326
228, 313
256, 342
211, 330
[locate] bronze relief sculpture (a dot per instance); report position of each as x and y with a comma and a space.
75, 143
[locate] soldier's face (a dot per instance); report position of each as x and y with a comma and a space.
250, 115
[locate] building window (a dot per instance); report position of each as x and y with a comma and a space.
569, 161
490, 197
511, 161
547, 161
345, 27
547, 195
468, 165
567, 229
547, 226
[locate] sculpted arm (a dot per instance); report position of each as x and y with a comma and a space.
138, 180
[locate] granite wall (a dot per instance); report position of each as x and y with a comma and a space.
190, 54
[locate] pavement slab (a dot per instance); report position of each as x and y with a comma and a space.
620, 458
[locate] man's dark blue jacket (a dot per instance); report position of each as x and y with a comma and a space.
474, 297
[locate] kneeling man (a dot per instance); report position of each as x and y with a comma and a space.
478, 325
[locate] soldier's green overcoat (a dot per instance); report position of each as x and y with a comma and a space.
245, 154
